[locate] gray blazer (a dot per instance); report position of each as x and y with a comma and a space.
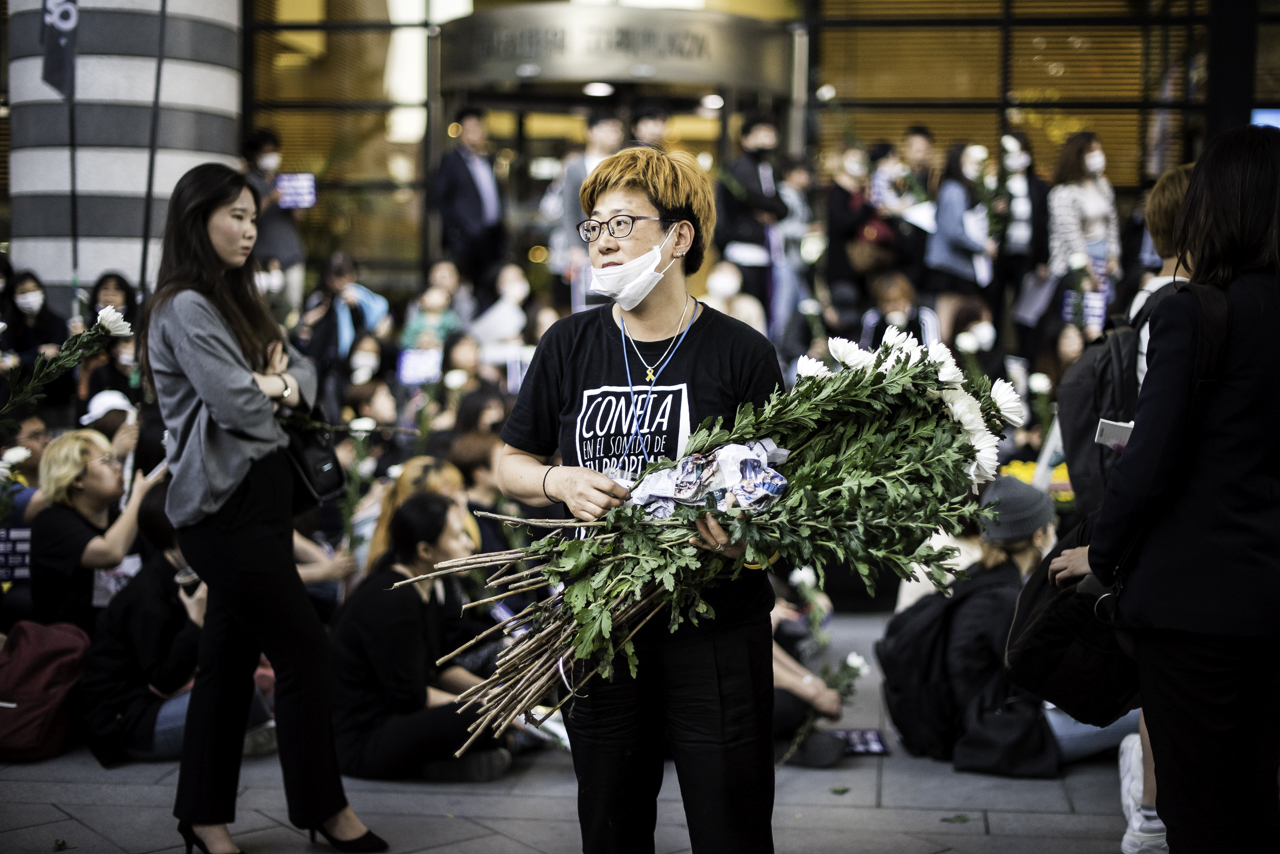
950, 249
219, 422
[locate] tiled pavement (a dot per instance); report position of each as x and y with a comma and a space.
894, 805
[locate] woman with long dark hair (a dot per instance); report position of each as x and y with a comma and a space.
960, 251
1083, 221
221, 370
35, 330
1190, 524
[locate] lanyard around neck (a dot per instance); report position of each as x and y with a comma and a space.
639, 414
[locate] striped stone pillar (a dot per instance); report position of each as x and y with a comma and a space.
115, 85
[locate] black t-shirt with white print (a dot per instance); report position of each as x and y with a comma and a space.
576, 399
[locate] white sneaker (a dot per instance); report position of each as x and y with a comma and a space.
1144, 836
1131, 775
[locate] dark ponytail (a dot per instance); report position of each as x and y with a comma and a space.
420, 519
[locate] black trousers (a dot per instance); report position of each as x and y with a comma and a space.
257, 603
711, 701
400, 746
1210, 703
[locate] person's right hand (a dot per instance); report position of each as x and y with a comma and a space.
341, 566
196, 603
277, 358
827, 703
49, 351
587, 493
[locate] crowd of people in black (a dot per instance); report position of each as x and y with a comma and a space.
226, 614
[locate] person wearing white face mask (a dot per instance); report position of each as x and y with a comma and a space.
1022, 267
1083, 220
35, 330
609, 389
959, 252
120, 373
278, 235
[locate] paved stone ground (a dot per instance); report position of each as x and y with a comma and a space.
894, 805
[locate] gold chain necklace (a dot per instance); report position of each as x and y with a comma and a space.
649, 369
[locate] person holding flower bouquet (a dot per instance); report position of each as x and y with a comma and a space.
610, 390
221, 372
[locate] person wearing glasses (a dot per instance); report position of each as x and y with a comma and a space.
609, 389
82, 544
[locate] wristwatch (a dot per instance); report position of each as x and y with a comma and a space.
287, 391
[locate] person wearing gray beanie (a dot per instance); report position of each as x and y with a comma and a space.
1022, 530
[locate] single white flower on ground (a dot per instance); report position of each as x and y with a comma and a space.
966, 410
940, 355
16, 455
986, 463
803, 577
856, 662
967, 342
113, 321
850, 354
808, 367
1078, 260
1039, 383
361, 427
1008, 402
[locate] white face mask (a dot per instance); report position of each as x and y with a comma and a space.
723, 285
269, 162
628, 284
1095, 162
854, 164
1017, 162
971, 170
30, 303
985, 332
897, 318
124, 358
364, 360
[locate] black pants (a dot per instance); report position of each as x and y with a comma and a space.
400, 746
1210, 703
257, 602
711, 700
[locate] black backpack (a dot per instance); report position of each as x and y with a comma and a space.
913, 659
1103, 383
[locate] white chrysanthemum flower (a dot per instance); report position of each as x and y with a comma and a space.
856, 662
1008, 402
808, 367
986, 462
941, 356
966, 410
113, 321
903, 346
1010, 144
849, 354
1078, 260
967, 342
3, 327
803, 577
16, 455
4, 472
1039, 383
362, 427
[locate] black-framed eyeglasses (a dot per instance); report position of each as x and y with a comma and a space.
619, 226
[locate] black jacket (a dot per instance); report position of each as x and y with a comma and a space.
847, 213
1200, 491
979, 628
740, 195
455, 195
145, 641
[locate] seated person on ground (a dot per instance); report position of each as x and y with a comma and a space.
395, 712
137, 680
82, 545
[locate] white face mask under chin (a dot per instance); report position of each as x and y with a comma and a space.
628, 284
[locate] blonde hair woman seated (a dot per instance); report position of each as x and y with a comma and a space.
82, 531
420, 474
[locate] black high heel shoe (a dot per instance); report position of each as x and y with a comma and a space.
370, 843
194, 841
